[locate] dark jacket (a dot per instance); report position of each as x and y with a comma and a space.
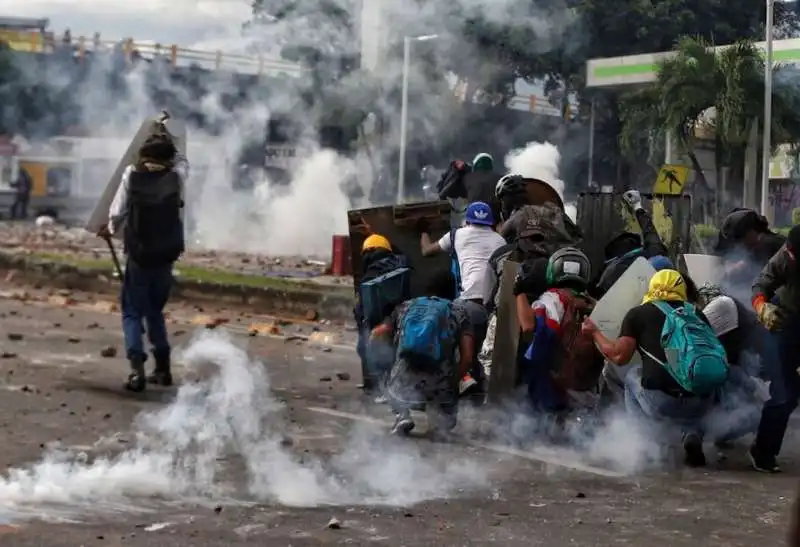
479, 186
651, 245
780, 279
375, 263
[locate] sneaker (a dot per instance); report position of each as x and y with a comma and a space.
467, 384
762, 463
693, 447
403, 425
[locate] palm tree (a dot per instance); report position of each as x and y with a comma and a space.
700, 93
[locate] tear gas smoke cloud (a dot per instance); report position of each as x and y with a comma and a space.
253, 221
540, 161
230, 414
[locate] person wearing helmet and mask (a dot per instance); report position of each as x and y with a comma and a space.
470, 248
673, 390
776, 300
625, 248
563, 367
379, 260
537, 230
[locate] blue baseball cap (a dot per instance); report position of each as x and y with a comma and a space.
661, 262
479, 212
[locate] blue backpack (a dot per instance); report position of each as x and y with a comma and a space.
695, 357
427, 332
380, 295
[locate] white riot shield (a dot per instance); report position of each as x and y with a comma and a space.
704, 269
99, 216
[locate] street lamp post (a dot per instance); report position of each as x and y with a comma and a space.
401, 176
767, 128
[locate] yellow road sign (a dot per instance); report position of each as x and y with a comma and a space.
671, 180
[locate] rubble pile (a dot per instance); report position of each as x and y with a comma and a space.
77, 243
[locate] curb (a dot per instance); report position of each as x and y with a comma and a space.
305, 298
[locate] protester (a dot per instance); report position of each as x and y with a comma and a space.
23, 187
378, 293
434, 349
148, 205
538, 230
473, 182
745, 243
614, 375
676, 391
625, 248
470, 247
562, 365
738, 409
778, 281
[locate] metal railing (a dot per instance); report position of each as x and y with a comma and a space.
175, 56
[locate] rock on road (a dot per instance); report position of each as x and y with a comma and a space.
61, 382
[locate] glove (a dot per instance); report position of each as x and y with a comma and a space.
770, 316
633, 199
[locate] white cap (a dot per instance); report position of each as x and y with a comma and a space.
722, 314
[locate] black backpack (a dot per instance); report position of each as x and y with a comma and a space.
153, 228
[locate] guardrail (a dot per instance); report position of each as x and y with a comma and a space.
173, 55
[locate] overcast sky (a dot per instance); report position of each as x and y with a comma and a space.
185, 22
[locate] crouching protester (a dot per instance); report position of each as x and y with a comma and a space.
385, 282
683, 362
562, 367
148, 205
470, 248
779, 281
738, 409
434, 349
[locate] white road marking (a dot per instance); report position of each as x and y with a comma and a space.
551, 457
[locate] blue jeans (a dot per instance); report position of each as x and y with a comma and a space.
145, 292
738, 411
780, 360
684, 413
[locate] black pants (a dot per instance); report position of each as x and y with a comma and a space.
19, 209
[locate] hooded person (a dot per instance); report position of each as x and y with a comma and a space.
745, 243
383, 285
683, 362
626, 247
148, 205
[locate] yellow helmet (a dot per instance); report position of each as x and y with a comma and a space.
376, 241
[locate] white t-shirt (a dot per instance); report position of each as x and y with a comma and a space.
474, 247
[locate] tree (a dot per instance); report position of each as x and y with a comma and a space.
700, 92
554, 42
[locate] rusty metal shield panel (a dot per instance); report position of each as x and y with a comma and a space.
603, 216
399, 224
503, 379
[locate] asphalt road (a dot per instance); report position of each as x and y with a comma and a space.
268, 452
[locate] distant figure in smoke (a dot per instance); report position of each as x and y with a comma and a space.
148, 205
434, 350
22, 195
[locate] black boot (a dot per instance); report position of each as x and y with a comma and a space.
136, 380
162, 373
